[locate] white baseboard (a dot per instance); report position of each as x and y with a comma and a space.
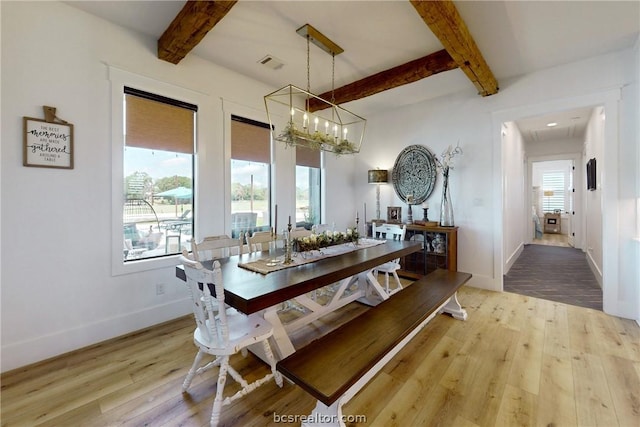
35, 350
485, 282
594, 268
513, 257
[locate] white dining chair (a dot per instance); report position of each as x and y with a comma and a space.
321, 228
221, 336
300, 232
213, 247
260, 241
389, 232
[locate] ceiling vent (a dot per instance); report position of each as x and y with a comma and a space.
272, 62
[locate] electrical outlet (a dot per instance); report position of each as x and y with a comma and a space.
160, 289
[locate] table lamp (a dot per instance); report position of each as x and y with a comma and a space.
548, 194
377, 177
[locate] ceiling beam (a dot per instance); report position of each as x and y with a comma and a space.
403, 74
445, 23
190, 26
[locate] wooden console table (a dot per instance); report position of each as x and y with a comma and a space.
439, 250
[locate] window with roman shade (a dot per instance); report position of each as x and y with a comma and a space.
158, 163
250, 176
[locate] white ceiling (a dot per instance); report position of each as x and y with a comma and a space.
515, 38
568, 125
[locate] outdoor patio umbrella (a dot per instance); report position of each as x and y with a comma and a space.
178, 193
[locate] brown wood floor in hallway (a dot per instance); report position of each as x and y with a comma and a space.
517, 361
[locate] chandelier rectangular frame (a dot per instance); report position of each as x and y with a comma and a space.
334, 129
327, 126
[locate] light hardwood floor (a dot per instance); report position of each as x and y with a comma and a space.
517, 361
551, 239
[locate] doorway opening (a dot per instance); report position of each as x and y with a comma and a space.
552, 202
551, 263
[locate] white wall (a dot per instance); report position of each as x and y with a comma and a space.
58, 291
593, 148
516, 210
629, 197
554, 147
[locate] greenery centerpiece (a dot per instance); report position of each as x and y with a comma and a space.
315, 242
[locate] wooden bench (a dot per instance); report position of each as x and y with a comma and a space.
336, 366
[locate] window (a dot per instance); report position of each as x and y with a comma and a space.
250, 176
158, 176
553, 190
307, 186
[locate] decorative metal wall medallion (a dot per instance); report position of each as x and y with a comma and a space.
414, 173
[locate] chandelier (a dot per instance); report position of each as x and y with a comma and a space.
300, 118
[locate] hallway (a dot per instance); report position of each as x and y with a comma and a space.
554, 271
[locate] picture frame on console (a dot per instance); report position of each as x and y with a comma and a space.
394, 214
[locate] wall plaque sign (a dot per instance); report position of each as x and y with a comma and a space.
47, 144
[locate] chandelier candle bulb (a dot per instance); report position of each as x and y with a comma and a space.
315, 122
345, 133
305, 121
335, 131
326, 128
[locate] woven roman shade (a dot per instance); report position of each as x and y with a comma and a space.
250, 141
158, 125
307, 157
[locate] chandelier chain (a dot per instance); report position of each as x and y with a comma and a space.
333, 77
308, 67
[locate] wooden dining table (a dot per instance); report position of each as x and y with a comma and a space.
252, 292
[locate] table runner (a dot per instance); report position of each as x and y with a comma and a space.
269, 264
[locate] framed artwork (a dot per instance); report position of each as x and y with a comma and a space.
394, 214
47, 144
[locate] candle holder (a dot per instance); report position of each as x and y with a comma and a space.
409, 215
425, 217
288, 245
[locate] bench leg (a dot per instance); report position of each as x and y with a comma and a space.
454, 308
325, 416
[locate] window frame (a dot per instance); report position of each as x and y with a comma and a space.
119, 79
